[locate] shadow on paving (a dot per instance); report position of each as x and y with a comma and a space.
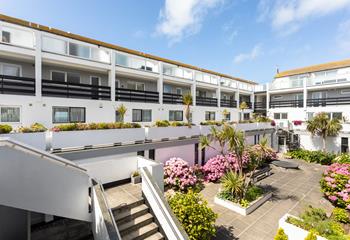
224, 232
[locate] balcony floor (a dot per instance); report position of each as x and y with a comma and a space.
123, 194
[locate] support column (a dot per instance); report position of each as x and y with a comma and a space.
252, 100
160, 81
111, 76
267, 99
38, 64
305, 97
218, 95
237, 99
193, 93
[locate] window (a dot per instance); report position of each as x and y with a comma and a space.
136, 86
6, 37
344, 145
345, 91
310, 115
10, 70
73, 77
54, 45
167, 88
79, 50
227, 116
118, 117
175, 115
284, 116
337, 115
141, 115
65, 76
277, 97
246, 116
209, 116
280, 115
276, 116
10, 114
68, 114
179, 91
58, 76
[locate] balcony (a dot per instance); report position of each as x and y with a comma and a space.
171, 98
52, 88
260, 106
17, 85
321, 102
130, 95
228, 103
206, 101
287, 103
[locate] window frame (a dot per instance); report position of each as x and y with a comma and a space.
11, 106
69, 113
136, 83
176, 111
142, 115
10, 64
209, 115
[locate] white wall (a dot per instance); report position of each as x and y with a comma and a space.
186, 152
315, 143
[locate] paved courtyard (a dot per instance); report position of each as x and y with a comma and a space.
293, 191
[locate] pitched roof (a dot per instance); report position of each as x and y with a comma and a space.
315, 68
112, 46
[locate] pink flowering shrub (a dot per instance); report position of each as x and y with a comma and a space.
297, 122
217, 166
269, 153
179, 175
335, 184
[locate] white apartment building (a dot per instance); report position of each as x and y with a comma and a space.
50, 76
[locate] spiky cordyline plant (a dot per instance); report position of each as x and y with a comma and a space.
243, 106
122, 110
187, 101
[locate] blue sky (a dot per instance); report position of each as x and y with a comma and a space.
244, 38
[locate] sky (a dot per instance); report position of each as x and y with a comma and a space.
250, 39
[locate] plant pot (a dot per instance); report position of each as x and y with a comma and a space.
135, 179
242, 210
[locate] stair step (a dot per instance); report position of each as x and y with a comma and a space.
136, 223
125, 207
156, 236
142, 233
125, 216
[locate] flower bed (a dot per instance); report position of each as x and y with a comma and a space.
335, 184
93, 126
312, 156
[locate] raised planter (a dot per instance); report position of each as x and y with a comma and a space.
158, 133
253, 126
36, 139
135, 179
69, 139
293, 232
241, 210
206, 129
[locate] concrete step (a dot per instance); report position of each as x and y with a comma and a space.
124, 207
135, 224
129, 214
142, 233
156, 236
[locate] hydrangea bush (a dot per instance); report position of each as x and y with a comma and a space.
217, 166
179, 175
268, 153
335, 184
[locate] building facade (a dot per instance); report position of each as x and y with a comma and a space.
50, 77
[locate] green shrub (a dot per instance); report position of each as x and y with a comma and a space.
340, 215
211, 122
36, 127
312, 156
94, 126
178, 124
162, 123
4, 128
342, 158
311, 236
281, 235
196, 217
253, 193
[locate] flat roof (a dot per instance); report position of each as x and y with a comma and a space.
315, 68
36, 26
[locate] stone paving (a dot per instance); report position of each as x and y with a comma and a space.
293, 190
123, 194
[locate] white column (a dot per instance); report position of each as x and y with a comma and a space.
38, 64
218, 95
193, 92
252, 100
267, 99
160, 81
305, 97
111, 76
237, 100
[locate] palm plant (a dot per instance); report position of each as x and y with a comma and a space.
122, 110
187, 101
225, 112
322, 126
243, 106
233, 183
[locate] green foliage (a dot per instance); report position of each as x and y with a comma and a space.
94, 126
281, 235
122, 111
36, 127
178, 124
342, 158
5, 128
233, 183
211, 122
135, 174
311, 236
196, 217
187, 101
340, 215
320, 157
315, 219
253, 193
261, 118
162, 123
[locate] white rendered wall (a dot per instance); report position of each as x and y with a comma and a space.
186, 152
315, 143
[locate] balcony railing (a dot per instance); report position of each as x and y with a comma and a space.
172, 98
259, 105
130, 95
17, 85
228, 103
286, 103
206, 101
52, 88
321, 102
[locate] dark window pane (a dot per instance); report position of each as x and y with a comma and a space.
73, 77
60, 115
58, 76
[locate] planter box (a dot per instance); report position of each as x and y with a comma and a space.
135, 180
241, 210
36, 140
158, 133
294, 232
67, 139
252, 126
206, 129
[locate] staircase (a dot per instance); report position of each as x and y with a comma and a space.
135, 222
66, 229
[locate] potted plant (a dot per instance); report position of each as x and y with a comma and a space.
135, 177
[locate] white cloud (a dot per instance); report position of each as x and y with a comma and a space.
229, 31
253, 54
343, 36
285, 15
182, 18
